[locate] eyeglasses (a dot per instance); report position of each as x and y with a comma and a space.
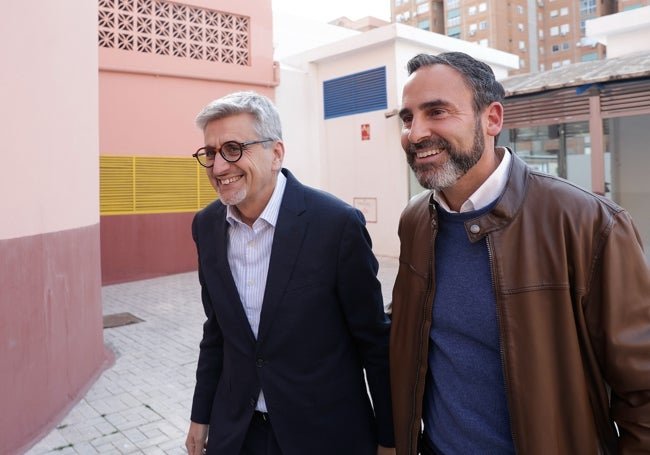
230, 151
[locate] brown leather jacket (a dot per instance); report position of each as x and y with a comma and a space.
572, 290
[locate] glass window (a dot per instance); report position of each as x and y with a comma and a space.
564, 11
564, 29
423, 9
554, 31
555, 48
472, 10
424, 25
589, 57
482, 7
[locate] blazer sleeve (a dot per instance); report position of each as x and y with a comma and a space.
210, 360
362, 302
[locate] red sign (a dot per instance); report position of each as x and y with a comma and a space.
365, 132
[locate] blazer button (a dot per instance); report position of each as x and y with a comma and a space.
259, 363
475, 229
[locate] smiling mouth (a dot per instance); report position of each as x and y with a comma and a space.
430, 152
229, 181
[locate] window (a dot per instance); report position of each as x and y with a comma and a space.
451, 4
564, 29
482, 25
453, 32
554, 13
541, 34
360, 92
424, 24
453, 19
590, 57
564, 11
422, 9
520, 9
522, 46
482, 7
554, 31
555, 48
483, 42
472, 10
520, 26
403, 17
587, 7
522, 63
566, 46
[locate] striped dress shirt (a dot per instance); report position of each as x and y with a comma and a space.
249, 253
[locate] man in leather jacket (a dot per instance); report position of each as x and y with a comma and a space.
521, 308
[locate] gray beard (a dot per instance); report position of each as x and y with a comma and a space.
440, 177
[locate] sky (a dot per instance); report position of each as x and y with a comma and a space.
328, 10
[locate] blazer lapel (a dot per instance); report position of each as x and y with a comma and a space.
218, 275
289, 234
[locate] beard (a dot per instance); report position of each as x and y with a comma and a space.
440, 177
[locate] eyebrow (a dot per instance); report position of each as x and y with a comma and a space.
426, 105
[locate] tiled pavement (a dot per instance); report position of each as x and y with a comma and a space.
142, 403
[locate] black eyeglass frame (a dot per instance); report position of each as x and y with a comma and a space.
241, 145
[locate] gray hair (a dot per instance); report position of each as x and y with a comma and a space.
267, 118
478, 76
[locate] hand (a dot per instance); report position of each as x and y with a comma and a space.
381, 450
197, 436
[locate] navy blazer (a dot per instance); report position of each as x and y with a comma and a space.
322, 324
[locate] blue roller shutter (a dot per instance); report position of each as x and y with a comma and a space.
356, 93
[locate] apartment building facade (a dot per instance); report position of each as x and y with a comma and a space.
545, 34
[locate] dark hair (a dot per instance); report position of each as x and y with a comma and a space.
478, 76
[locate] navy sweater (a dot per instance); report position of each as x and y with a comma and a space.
465, 409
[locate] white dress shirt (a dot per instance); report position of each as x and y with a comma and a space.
487, 193
249, 253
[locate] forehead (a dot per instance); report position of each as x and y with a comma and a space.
435, 82
238, 125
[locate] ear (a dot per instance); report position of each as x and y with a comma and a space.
278, 155
494, 121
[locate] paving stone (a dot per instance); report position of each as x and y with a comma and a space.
141, 405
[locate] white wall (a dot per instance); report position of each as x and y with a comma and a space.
622, 33
330, 154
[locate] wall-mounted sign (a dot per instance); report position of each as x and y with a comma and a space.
365, 132
367, 206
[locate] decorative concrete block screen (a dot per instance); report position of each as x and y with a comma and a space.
173, 29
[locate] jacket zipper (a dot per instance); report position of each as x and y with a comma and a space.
501, 349
427, 313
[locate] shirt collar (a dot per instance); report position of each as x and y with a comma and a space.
272, 209
487, 193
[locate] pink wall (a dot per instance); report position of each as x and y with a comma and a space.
137, 247
51, 337
51, 347
147, 106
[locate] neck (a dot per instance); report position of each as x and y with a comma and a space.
457, 194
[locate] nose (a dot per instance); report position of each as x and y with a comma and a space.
220, 165
417, 131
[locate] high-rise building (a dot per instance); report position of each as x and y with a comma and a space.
545, 34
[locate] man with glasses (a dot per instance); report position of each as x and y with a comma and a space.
293, 305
